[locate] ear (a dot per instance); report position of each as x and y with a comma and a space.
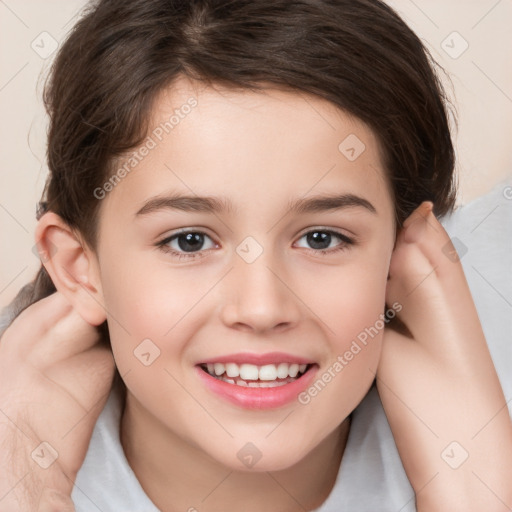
72, 266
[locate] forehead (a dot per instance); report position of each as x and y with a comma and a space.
250, 146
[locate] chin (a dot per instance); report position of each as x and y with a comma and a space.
258, 457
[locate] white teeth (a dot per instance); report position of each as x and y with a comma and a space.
232, 370
219, 368
282, 371
249, 372
293, 370
266, 374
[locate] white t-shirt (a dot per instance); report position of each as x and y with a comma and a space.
371, 476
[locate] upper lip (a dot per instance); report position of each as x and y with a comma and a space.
258, 359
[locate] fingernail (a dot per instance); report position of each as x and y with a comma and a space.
423, 209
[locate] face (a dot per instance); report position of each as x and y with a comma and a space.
243, 259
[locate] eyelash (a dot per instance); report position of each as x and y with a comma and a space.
163, 244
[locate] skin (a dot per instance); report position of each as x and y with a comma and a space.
277, 302
54, 381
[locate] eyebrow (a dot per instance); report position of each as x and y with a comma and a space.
218, 205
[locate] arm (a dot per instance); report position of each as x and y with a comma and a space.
27, 487
438, 383
54, 381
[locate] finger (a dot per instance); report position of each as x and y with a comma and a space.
412, 279
71, 335
49, 330
48, 310
423, 230
437, 247
430, 285
35, 321
87, 377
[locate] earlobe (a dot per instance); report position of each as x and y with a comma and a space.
72, 267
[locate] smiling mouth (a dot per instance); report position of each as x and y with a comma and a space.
253, 376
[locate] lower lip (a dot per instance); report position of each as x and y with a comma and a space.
258, 398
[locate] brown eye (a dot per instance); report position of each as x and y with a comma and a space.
187, 243
190, 242
325, 241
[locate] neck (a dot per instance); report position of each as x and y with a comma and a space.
177, 476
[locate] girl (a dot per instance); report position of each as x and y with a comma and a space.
242, 201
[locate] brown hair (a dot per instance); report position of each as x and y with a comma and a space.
357, 54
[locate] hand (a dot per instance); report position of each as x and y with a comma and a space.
54, 381
437, 382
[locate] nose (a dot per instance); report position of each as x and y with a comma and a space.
258, 298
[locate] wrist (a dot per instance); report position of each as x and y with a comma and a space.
473, 487
30, 499
25, 484
53, 500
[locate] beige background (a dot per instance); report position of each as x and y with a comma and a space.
30, 29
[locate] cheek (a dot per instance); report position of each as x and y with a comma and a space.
152, 304
361, 321
351, 305
348, 298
